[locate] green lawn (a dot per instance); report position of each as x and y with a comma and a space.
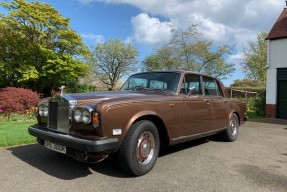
15, 133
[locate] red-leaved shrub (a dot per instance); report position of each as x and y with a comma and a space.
17, 100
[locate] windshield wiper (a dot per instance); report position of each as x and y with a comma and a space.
147, 89
135, 88
165, 90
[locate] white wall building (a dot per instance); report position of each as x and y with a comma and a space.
276, 85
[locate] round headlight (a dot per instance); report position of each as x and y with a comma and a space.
86, 115
41, 110
78, 116
45, 112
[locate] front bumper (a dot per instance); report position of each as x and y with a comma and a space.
245, 118
90, 146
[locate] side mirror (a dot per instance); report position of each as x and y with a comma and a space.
192, 91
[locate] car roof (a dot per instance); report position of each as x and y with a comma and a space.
175, 71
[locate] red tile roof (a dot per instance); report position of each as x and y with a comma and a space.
279, 29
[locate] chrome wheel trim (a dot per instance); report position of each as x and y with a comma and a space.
233, 127
145, 148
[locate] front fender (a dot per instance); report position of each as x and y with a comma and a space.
139, 115
122, 117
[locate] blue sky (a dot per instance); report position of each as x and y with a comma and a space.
147, 22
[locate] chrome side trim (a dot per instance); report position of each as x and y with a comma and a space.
196, 136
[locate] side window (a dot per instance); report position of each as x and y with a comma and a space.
211, 87
191, 85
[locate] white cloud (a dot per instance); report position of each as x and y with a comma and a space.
218, 20
92, 38
231, 22
86, 1
236, 59
210, 29
150, 30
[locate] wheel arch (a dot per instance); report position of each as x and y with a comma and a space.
160, 125
238, 117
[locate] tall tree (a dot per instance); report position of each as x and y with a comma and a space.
113, 59
211, 60
185, 51
162, 59
38, 48
183, 45
255, 58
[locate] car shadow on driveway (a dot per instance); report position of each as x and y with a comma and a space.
182, 146
64, 167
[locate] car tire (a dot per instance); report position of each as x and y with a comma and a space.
231, 133
139, 150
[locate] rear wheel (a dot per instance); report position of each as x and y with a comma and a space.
231, 133
139, 150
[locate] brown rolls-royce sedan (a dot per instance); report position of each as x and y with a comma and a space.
152, 109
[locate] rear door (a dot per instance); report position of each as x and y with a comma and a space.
218, 104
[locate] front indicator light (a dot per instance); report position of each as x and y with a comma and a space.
96, 120
35, 110
117, 131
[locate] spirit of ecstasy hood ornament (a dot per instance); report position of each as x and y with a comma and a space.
62, 90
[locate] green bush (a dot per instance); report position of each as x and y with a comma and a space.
80, 88
250, 104
256, 103
260, 103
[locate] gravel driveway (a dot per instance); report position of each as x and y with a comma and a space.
257, 161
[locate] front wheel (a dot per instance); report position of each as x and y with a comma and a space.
231, 133
139, 150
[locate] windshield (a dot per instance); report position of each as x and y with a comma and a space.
165, 81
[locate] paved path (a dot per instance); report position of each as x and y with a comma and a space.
257, 161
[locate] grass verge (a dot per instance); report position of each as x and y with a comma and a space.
15, 133
252, 115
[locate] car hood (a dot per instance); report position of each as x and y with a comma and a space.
95, 97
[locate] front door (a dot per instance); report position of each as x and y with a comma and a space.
195, 107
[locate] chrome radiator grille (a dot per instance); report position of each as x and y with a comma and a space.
58, 118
